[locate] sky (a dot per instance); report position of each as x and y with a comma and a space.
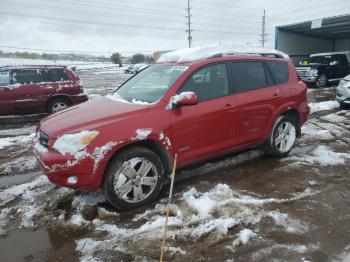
101, 27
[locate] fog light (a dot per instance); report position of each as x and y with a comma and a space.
72, 180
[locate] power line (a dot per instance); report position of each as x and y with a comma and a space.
231, 6
65, 10
69, 10
85, 22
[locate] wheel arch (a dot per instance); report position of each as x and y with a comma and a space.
153, 145
51, 98
286, 111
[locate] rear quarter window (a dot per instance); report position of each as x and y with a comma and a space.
279, 71
57, 75
248, 75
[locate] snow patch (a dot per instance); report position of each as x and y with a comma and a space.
322, 155
323, 106
142, 134
202, 52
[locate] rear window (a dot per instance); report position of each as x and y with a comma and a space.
28, 76
57, 75
279, 71
4, 78
248, 75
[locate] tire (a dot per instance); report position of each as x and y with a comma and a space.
122, 184
280, 144
344, 106
322, 81
57, 104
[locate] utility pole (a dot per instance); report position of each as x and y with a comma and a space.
189, 30
263, 30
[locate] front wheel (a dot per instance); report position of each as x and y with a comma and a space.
133, 178
321, 81
283, 137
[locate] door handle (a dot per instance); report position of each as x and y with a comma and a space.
228, 106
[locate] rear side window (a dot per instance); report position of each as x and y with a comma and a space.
28, 76
4, 78
57, 75
208, 83
248, 75
279, 71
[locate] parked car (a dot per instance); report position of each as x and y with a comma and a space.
134, 69
125, 143
323, 68
343, 93
38, 89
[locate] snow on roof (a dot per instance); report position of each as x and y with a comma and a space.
202, 52
331, 53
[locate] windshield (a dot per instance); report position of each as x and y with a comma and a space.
325, 60
150, 84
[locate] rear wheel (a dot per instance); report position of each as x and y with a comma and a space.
57, 104
283, 137
134, 178
344, 106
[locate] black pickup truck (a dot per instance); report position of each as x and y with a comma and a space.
323, 68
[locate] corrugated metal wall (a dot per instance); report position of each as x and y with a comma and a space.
342, 45
300, 45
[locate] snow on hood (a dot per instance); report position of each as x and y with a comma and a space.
347, 78
201, 52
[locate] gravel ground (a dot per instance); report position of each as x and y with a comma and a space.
243, 207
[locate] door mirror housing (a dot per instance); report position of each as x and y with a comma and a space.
184, 99
334, 63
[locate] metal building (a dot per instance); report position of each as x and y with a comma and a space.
299, 40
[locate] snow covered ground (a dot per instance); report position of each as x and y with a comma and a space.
244, 207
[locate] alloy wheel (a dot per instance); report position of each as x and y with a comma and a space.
58, 106
285, 137
136, 180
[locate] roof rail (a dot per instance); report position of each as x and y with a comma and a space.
263, 54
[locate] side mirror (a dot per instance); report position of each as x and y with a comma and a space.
185, 99
334, 63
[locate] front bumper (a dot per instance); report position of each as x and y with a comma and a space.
309, 79
343, 94
61, 168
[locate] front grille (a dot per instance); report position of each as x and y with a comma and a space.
43, 139
301, 73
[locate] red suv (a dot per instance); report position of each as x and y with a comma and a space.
125, 143
38, 89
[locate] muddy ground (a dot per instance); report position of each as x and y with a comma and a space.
243, 207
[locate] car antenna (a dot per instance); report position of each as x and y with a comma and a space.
168, 209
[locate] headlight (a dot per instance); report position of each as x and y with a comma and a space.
312, 72
344, 83
73, 143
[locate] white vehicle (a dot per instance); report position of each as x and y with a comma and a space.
343, 93
134, 69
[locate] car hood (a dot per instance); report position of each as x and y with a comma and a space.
89, 115
310, 66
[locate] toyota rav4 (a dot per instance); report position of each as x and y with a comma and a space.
125, 143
